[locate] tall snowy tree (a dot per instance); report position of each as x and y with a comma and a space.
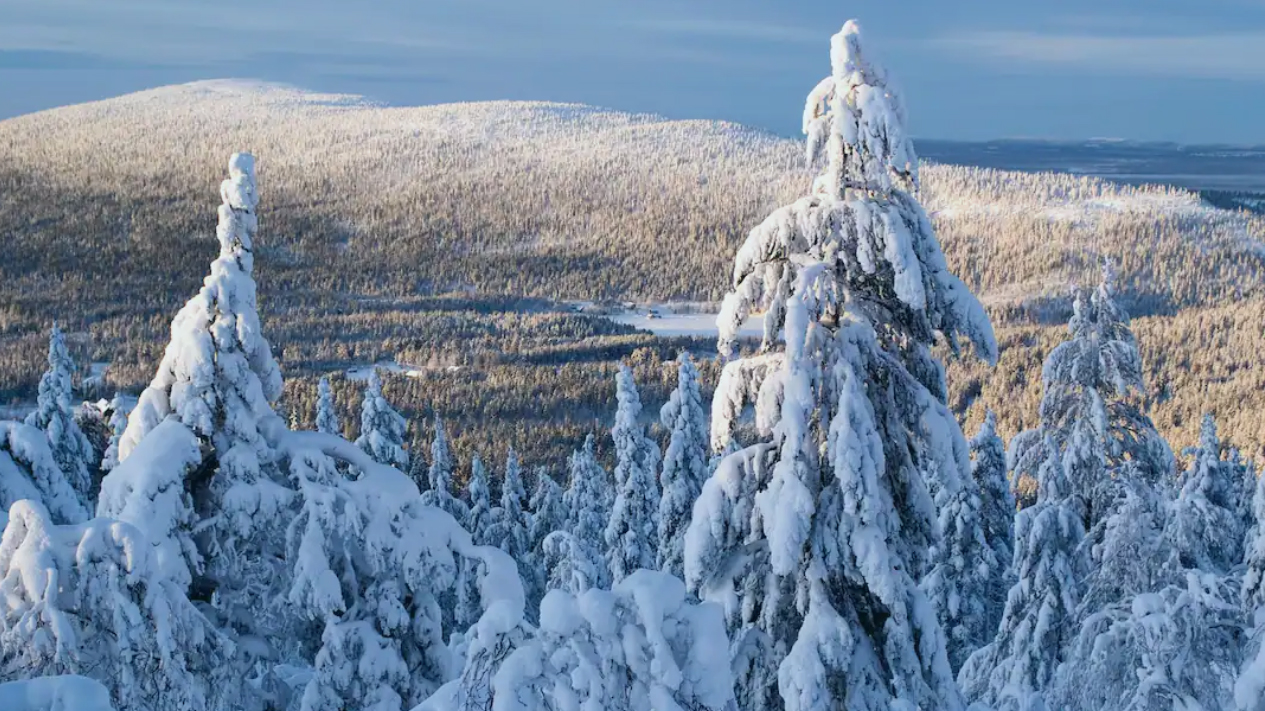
997, 509
632, 534
439, 493
1205, 524
684, 464
479, 494
55, 415
548, 515
217, 378
326, 412
381, 427
1090, 404
1013, 671
548, 509
853, 405
588, 497
509, 526
961, 583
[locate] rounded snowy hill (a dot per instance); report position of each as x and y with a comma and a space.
544, 199
109, 211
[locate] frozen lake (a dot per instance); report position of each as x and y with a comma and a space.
669, 323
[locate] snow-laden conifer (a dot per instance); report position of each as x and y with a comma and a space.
439, 494
853, 279
632, 534
55, 415
642, 645
29, 471
95, 599
961, 583
508, 528
326, 411
997, 509
588, 497
217, 378
1013, 671
118, 424
1176, 648
381, 427
479, 497
548, 509
1090, 404
684, 464
1205, 524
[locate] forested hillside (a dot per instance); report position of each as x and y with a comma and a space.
415, 234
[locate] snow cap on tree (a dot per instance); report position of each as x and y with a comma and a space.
632, 532
54, 414
381, 427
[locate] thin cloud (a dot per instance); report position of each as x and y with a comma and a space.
731, 29
1239, 56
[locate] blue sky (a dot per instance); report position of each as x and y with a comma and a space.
1192, 72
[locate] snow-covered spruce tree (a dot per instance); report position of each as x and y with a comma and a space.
632, 534
374, 567
1172, 649
508, 528
381, 427
997, 509
854, 407
217, 378
1249, 689
326, 412
727, 560
547, 516
418, 468
1090, 404
439, 493
642, 645
588, 497
1133, 555
28, 471
118, 423
55, 415
1012, 672
95, 599
684, 464
570, 564
479, 523
548, 509
961, 584
479, 495
1205, 524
